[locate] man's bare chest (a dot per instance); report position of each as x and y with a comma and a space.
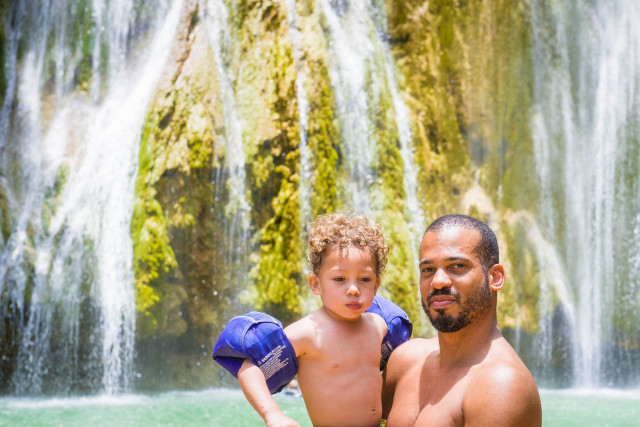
425, 399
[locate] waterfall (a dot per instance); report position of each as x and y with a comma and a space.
413, 211
586, 136
303, 106
216, 19
361, 66
351, 53
69, 163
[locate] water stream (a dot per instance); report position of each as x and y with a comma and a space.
79, 79
72, 199
587, 68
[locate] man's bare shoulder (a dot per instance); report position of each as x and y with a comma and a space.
409, 354
502, 392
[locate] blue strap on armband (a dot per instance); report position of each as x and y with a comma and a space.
260, 338
399, 326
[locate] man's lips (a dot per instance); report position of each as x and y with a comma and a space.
441, 301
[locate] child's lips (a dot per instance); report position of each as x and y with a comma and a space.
354, 305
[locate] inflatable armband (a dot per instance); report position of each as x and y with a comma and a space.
260, 338
399, 326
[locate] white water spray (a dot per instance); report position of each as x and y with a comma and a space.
351, 48
73, 200
303, 114
216, 19
587, 69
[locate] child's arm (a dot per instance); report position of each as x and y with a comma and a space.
254, 387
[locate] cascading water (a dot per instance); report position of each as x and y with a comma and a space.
413, 211
303, 106
361, 66
216, 19
351, 50
69, 163
586, 133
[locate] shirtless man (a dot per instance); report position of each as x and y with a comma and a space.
469, 375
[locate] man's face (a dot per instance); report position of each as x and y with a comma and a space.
454, 288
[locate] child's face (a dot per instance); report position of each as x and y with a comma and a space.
346, 282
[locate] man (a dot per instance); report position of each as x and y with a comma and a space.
469, 375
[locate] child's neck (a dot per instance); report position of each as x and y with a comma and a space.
334, 317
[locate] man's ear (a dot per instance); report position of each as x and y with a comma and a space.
496, 277
314, 284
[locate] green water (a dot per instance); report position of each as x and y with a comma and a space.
224, 407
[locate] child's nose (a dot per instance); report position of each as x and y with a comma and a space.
353, 289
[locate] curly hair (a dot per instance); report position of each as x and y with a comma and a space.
341, 230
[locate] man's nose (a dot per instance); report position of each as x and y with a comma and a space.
440, 279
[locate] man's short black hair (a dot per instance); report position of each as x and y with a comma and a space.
487, 247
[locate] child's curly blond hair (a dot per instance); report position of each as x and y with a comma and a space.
340, 230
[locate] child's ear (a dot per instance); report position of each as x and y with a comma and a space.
314, 284
375, 289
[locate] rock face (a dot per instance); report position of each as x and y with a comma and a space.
466, 83
269, 113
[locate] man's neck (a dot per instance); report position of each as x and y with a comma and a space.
469, 345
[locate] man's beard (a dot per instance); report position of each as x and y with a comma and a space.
477, 303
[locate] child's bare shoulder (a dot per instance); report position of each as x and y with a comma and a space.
301, 334
299, 328
376, 322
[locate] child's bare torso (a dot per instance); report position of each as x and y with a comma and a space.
339, 368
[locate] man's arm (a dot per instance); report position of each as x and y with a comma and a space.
388, 389
254, 387
402, 358
502, 395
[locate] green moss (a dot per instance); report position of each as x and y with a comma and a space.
266, 95
520, 297
323, 141
399, 282
153, 256
277, 276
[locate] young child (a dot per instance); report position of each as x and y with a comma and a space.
337, 346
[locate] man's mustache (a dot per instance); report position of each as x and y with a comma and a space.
443, 292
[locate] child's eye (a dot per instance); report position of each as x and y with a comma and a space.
366, 279
339, 279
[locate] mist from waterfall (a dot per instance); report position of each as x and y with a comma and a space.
586, 134
351, 47
361, 67
215, 16
80, 80
70, 163
303, 113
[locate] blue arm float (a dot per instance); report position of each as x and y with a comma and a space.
260, 338
399, 326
